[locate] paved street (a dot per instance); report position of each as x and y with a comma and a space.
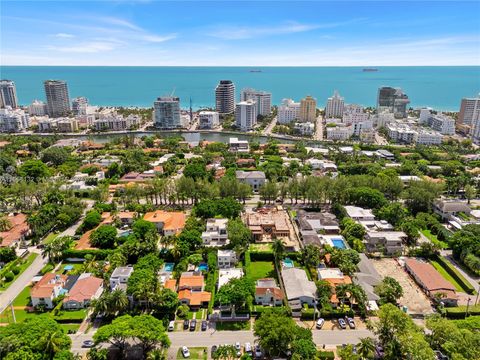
319, 129
269, 128
212, 337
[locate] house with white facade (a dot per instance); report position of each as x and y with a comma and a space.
226, 259
120, 276
215, 233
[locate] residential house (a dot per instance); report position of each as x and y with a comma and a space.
367, 277
167, 223
240, 146
268, 222
225, 275
215, 233
190, 290
255, 179
358, 213
46, 289
226, 259
450, 209
299, 289
388, 242
246, 163
334, 277
137, 177
85, 289
120, 276
267, 293
431, 281
17, 232
126, 217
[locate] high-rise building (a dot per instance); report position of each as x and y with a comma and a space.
308, 110
167, 113
444, 124
335, 106
393, 100
225, 97
288, 111
262, 98
8, 94
208, 119
79, 105
13, 120
37, 108
469, 111
246, 115
58, 102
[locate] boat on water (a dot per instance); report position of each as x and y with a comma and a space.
256, 71
370, 69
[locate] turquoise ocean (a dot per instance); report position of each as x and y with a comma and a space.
438, 87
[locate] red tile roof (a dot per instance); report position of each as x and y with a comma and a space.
84, 289
429, 276
19, 227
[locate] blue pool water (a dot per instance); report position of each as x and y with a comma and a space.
338, 243
203, 267
288, 263
169, 267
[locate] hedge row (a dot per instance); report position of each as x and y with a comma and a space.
449, 268
261, 256
336, 314
97, 253
10, 266
459, 311
326, 355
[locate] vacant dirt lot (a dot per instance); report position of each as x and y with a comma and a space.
413, 297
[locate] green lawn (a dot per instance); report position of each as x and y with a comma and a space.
50, 237
23, 266
68, 327
446, 275
76, 267
234, 325
71, 315
434, 239
260, 247
262, 269
197, 353
23, 299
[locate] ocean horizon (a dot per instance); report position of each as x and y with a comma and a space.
439, 87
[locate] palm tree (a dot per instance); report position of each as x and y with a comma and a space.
101, 305
366, 348
118, 301
51, 343
278, 249
5, 224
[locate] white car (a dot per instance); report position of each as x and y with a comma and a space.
248, 349
171, 325
320, 323
238, 347
185, 352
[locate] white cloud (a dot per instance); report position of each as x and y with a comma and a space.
86, 47
64, 35
157, 38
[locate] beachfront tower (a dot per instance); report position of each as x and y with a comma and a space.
225, 97
8, 94
392, 100
308, 110
335, 106
58, 102
262, 98
246, 115
167, 113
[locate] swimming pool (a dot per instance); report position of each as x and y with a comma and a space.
288, 263
339, 243
169, 267
203, 267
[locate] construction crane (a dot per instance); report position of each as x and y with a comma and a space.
173, 91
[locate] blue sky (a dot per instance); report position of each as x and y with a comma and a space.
263, 33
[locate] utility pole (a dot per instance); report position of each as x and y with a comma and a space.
468, 304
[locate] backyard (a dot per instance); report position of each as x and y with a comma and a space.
261, 269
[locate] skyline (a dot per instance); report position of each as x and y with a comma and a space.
154, 33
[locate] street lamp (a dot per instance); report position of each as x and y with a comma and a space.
468, 304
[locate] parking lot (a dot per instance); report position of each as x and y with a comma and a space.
332, 325
413, 297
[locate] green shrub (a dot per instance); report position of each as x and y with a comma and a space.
47, 268
16, 270
9, 276
97, 253
307, 314
182, 311
326, 355
261, 256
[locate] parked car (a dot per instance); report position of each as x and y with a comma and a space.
350, 321
185, 324
342, 323
320, 323
248, 349
193, 325
258, 352
204, 325
88, 344
185, 352
238, 347
171, 325
214, 349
